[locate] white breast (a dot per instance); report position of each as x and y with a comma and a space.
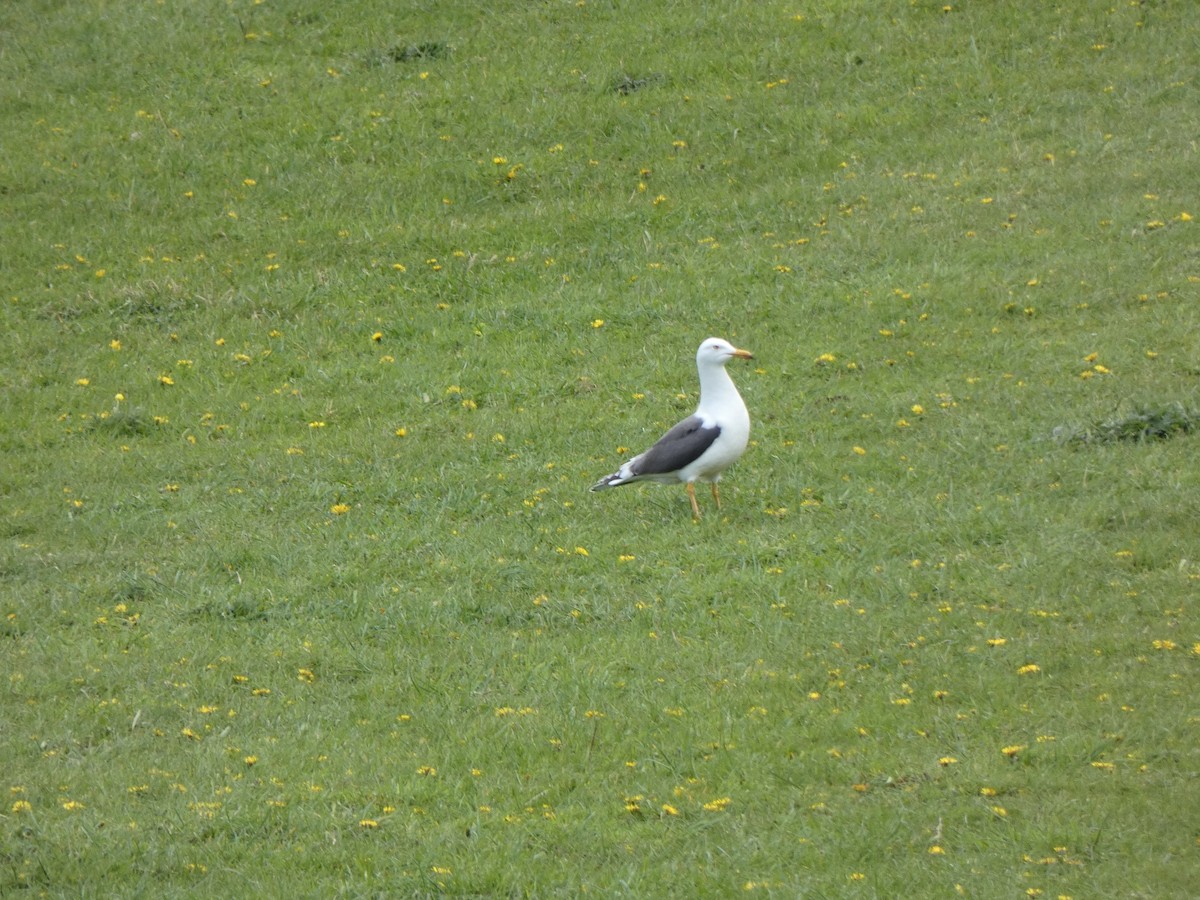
734, 421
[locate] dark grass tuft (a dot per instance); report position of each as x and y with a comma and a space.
1145, 423
420, 51
626, 84
124, 421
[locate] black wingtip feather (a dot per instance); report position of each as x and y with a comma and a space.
607, 481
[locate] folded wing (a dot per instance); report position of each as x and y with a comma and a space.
679, 447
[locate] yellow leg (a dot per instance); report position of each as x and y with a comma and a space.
716, 494
691, 489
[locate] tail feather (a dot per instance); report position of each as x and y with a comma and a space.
616, 479
625, 475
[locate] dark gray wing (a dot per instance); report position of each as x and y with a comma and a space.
683, 444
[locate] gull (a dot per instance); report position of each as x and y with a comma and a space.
706, 443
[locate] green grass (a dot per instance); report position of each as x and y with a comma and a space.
321, 605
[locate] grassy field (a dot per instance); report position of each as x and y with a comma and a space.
320, 319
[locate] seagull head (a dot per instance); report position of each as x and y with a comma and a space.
717, 351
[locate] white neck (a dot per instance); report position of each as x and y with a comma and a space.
716, 388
